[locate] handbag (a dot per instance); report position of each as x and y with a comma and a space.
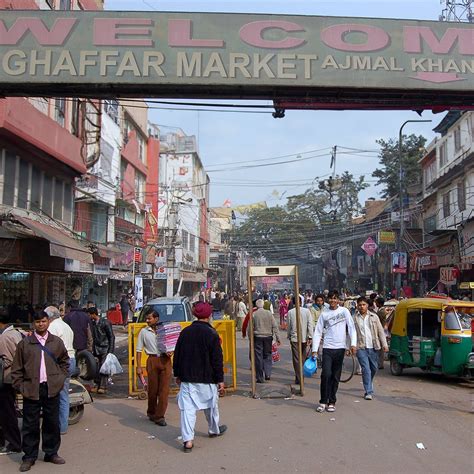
275, 353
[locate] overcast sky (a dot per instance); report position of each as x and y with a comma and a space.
225, 138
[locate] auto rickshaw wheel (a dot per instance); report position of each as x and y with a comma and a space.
142, 395
395, 367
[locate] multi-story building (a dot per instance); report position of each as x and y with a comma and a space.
43, 153
447, 257
183, 216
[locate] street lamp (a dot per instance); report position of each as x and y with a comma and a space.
400, 176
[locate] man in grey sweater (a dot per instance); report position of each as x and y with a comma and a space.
264, 329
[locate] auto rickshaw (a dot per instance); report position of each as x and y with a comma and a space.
434, 335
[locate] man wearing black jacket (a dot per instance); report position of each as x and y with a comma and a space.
198, 366
103, 343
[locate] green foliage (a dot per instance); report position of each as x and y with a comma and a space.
291, 231
388, 173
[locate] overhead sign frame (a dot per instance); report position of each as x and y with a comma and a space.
299, 61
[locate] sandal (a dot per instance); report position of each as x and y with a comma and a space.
187, 449
331, 408
320, 408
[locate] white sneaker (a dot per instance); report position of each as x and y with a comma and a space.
368, 396
320, 408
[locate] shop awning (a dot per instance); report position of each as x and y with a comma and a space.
194, 277
108, 251
60, 244
122, 276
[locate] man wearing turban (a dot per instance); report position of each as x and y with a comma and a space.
198, 366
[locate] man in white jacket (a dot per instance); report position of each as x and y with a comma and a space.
335, 322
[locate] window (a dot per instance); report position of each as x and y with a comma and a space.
192, 243
461, 188
430, 173
141, 148
9, 183
111, 108
99, 223
36, 181
443, 157
123, 169
59, 111
451, 321
67, 211
47, 203
430, 224
446, 205
58, 199
457, 139
75, 117
139, 187
184, 236
23, 185
64, 4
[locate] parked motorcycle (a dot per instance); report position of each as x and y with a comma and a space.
78, 397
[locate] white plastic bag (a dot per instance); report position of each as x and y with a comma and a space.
111, 366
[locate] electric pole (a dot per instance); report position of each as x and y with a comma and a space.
457, 10
170, 248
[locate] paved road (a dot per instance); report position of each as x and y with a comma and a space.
278, 435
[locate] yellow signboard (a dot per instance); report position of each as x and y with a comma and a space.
386, 237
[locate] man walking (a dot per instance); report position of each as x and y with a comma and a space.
217, 307
158, 367
198, 366
307, 329
334, 321
264, 330
103, 343
40, 367
80, 324
59, 328
371, 341
9, 339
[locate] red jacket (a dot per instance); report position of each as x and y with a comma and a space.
246, 322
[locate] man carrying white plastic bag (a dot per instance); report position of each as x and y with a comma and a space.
103, 346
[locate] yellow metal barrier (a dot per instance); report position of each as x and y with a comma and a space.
226, 331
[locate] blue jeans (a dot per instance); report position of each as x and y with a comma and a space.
369, 363
64, 399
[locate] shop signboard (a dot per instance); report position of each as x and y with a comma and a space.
447, 275
101, 269
399, 262
138, 292
386, 237
160, 265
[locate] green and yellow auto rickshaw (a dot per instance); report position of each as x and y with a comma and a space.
434, 335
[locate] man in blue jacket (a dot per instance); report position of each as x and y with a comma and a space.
198, 366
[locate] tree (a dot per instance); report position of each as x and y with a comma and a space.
334, 200
389, 173
309, 219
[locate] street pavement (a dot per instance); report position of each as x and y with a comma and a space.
283, 435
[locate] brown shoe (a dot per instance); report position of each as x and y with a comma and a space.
161, 422
26, 465
54, 459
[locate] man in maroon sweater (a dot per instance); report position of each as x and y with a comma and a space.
198, 366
